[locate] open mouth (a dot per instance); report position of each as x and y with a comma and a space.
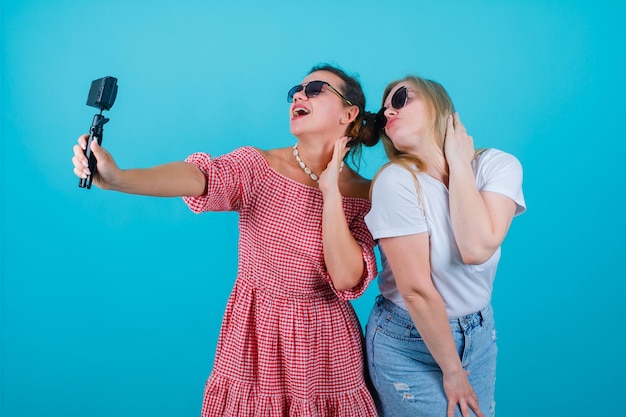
299, 112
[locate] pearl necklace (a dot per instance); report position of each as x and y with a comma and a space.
306, 169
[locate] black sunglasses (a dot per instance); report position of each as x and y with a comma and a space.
398, 100
313, 89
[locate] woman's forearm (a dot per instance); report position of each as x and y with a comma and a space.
472, 227
428, 313
169, 180
342, 253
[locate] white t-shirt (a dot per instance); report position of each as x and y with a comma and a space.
397, 211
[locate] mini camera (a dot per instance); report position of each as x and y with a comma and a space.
102, 96
102, 93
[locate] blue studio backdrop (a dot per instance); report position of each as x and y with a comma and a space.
110, 304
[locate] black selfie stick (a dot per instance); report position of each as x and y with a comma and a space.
95, 133
101, 95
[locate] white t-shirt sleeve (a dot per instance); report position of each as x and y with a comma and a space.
501, 173
396, 210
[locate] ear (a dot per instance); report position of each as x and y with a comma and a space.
349, 114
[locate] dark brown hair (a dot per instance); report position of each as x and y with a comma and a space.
363, 129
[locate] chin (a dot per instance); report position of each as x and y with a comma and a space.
294, 130
297, 134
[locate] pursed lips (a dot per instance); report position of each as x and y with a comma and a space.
390, 122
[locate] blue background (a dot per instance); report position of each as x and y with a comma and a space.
111, 304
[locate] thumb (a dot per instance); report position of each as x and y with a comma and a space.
104, 160
97, 150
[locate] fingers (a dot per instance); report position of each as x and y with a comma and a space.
340, 150
81, 169
82, 141
473, 404
342, 143
343, 146
465, 411
457, 123
458, 145
329, 178
451, 408
81, 172
477, 411
450, 129
465, 407
461, 394
79, 160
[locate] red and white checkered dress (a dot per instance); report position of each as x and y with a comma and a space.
290, 344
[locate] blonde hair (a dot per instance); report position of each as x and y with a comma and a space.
439, 107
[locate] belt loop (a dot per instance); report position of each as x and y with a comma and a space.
485, 313
379, 300
463, 322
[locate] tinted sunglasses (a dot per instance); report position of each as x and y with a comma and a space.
398, 100
313, 89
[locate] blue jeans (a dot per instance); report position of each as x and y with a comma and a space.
407, 379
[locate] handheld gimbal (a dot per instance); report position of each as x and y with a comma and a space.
101, 95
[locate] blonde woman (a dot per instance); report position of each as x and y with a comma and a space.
440, 211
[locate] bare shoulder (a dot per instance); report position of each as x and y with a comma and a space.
356, 186
277, 158
267, 154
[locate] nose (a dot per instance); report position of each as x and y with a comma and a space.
300, 95
390, 111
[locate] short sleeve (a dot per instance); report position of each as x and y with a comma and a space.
230, 179
396, 209
500, 172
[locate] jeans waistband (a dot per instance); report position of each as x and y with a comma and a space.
465, 322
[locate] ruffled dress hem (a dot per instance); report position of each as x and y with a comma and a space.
226, 397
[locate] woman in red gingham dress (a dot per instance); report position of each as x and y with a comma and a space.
290, 343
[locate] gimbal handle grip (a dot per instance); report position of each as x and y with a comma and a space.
95, 133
